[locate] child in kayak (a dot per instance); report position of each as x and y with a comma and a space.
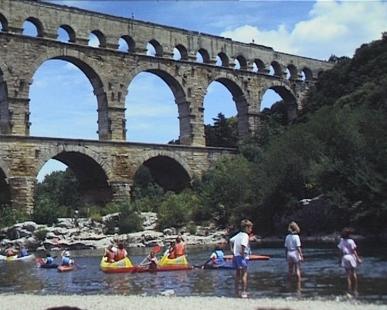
217, 256
66, 259
150, 261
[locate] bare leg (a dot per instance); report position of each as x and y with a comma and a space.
354, 283
298, 277
349, 280
244, 279
290, 272
237, 281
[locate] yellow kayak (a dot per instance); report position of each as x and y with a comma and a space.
124, 265
16, 258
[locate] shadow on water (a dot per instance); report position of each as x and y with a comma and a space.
322, 276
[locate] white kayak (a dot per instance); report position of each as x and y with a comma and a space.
15, 258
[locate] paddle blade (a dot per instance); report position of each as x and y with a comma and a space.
156, 249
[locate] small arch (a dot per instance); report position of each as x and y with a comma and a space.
181, 52
66, 34
97, 39
275, 69
126, 44
292, 72
33, 27
3, 23
242, 63
169, 173
259, 66
154, 48
202, 56
307, 74
222, 60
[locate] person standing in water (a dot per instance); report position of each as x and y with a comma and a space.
349, 259
240, 247
293, 253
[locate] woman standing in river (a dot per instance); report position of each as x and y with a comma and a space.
349, 259
293, 253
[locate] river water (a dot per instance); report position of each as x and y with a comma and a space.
322, 276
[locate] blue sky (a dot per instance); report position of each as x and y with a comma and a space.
63, 104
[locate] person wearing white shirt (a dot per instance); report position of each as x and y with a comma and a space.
293, 253
241, 249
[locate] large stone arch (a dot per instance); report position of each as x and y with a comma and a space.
5, 192
234, 86
89, 69
92, 172
168, 75
287, 95
4, 108
168, 169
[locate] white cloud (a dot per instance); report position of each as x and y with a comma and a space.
333, 27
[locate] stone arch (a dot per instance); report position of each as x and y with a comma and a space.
130, 42
288, 96
178, 91
233, 86
4, 23
293, 72
101, 38
205, 55
95, 81
183, 51
307, 74
38, 24
242, 62
260, 65
4, 111
70, 32
277, 69
225, 61
5, 191
91, 171
157, 46
167, 168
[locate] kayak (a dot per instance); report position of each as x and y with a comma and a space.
123, 265
48, 266
2, 257
15, 258
251, 257
63, 268
167, 264
226, 265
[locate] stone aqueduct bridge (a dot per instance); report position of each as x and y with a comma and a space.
107, 166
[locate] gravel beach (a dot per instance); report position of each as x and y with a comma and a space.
99, 302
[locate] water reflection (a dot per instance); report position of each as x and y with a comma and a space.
321, 276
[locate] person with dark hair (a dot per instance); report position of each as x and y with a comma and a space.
293, 253
240, 247
349, 259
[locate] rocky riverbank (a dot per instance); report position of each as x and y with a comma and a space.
102, 302
84, 233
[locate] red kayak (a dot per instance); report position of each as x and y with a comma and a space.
251, 257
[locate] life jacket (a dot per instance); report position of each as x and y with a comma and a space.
172, 253
49, 260
180, 249
66, 261
219, 259
121, 254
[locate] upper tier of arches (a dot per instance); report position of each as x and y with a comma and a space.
132, 36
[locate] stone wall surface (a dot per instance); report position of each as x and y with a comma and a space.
106, 168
